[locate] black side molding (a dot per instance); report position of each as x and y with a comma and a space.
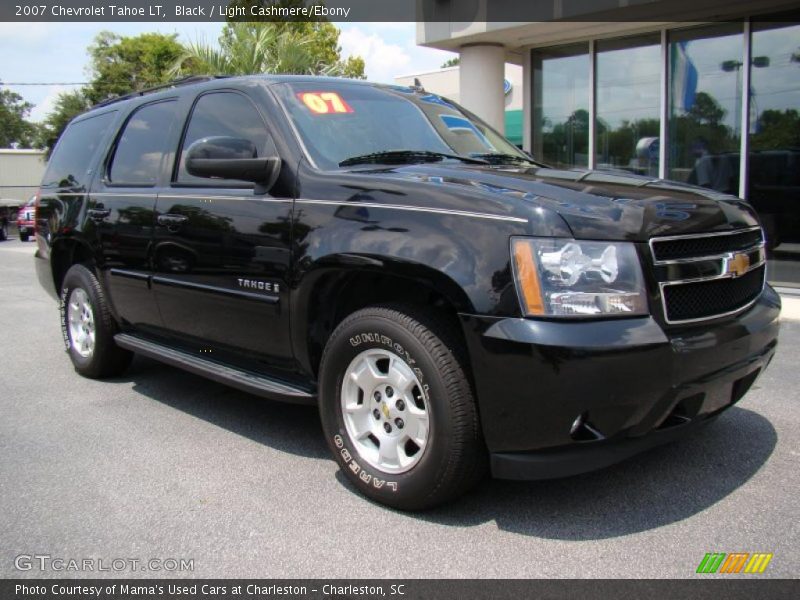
247, 381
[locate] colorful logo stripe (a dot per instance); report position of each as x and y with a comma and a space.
736, 562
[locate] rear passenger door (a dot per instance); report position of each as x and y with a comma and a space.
221, 252
72, 166
122, 210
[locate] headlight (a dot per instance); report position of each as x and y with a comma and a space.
570, 278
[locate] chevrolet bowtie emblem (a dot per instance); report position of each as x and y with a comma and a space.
737, 265
385, 410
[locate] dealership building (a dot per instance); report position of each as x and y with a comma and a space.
447, 82
721, 87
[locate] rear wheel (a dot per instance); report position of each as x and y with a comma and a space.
398, 410
24, 237
88, 326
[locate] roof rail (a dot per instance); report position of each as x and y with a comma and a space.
171, 84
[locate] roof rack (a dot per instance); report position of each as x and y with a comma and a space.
171, 84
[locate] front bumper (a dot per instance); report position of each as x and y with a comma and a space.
634, 384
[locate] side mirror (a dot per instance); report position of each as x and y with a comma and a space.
224, 157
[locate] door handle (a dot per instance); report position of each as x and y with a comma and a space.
98, 214
172, 222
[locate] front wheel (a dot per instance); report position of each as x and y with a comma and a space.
88, 326
398, 410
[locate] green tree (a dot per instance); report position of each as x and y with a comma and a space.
67, 106
122, 64
777, 129
451, 62
15, 129
323, 36
271, 47
118, 65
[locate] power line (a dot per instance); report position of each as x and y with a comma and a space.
43, 83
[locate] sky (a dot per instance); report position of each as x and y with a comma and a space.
56, 52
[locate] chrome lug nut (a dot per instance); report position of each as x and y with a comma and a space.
400, 405
376, 413
387, 428
389, 391
377, 396
399, 422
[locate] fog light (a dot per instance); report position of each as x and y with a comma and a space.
576, 424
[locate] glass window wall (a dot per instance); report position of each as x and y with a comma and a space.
774, 150
561, 105
705, 106
628, 76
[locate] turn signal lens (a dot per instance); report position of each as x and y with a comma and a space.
527, 277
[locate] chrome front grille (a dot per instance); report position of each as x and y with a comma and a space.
708, 276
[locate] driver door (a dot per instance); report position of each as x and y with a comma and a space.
221, 251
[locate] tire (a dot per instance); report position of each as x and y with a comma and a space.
438, 408
23, 237
3, 234
88, 327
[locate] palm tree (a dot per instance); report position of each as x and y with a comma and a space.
245, 50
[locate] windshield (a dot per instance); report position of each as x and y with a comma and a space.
338, 121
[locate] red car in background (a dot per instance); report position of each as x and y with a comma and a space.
26, 219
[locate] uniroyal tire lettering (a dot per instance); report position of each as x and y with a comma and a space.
379, 338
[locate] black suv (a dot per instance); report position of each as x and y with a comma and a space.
450, 304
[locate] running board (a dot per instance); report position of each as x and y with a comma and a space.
238, 378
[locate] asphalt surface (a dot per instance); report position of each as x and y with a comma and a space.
163, 464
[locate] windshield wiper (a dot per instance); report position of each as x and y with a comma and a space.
408, 156
499, 158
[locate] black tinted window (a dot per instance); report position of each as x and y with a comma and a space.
140, 148
223, 114
73, 154
338, 120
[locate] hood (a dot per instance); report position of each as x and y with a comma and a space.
606, 205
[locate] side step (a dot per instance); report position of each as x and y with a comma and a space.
240, 379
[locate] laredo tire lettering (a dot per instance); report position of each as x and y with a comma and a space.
62, 309
363, 475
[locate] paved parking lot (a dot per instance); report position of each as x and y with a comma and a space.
163, 464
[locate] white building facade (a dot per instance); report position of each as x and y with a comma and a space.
20, 174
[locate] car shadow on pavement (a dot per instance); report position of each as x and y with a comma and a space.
286, 427
664, 485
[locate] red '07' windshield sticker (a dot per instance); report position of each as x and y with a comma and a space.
324, 103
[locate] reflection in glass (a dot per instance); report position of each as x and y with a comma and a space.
627, 104
705, 106
774, 157
561, 105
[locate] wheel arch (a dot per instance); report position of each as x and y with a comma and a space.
66, 252
343, 284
